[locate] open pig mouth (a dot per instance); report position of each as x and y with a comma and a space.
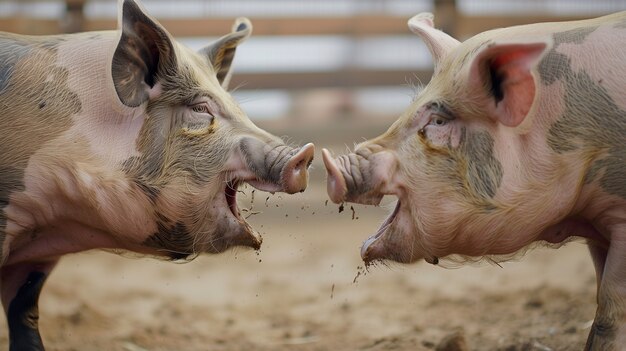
232, 188
247, 235
292, 178
230, 192
366, 252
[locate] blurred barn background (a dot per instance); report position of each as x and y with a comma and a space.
311, 61
333, 72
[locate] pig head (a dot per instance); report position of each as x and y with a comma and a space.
519, 137
124, 140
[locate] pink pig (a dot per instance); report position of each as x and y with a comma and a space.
519, 137
124, 140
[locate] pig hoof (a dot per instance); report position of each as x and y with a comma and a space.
23, 315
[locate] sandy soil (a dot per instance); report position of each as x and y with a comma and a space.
303, 291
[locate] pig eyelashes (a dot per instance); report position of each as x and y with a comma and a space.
202, 108
438, 120
437, 115
199, 117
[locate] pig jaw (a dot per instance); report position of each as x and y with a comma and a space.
394, 240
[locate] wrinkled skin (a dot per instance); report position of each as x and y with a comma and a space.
519, 137
123, 140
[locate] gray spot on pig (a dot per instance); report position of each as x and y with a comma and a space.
167, 154
150, 190
471, 169
599, 126
25, 126
555, 65
484, 171
11, 52
149, 167
575, 36
592, 122
174, 238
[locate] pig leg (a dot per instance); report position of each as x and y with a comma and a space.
608, 331
598, 255
21, 285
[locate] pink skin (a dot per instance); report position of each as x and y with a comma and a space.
477, 168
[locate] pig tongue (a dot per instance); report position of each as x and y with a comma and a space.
370, 252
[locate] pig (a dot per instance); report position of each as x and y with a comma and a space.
123, 140
518, 138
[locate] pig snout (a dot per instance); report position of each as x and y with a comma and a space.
360, 177
336, 185
294, 174
277, 167
365, 176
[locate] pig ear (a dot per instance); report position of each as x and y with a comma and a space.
439, 43
144, 50
505, 72
221, 53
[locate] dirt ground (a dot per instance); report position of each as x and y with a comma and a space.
304, 290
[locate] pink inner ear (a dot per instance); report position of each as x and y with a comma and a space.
518, 86
511, 65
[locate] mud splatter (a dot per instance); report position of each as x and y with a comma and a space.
360, 271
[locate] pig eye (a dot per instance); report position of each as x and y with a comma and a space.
439, 120
201, 108
198, 119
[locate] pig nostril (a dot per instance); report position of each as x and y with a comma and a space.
296, 176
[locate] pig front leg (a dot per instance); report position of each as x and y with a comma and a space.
608, 331
598, 255
21, 285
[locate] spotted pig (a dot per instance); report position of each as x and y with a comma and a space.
123, 140
519, 138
